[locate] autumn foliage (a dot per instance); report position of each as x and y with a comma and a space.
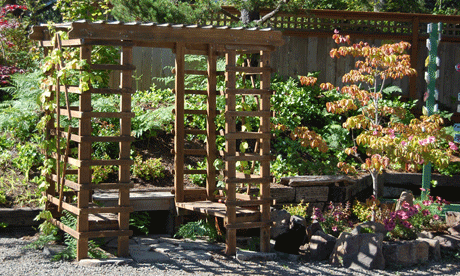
386, 139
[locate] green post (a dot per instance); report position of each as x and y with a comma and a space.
432, 44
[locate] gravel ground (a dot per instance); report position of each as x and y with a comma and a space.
15, 260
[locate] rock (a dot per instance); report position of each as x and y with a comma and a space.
312, 229
448, 242
281, 219
452, 218
97, 262
297, 220
254, 256
321, 246
454, 231
392, 192
376, 227
406, 253
362, 251
291, 240
53, 249
406, 196
425, 235
434, 248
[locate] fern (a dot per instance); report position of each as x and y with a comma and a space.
21, 113
70, 253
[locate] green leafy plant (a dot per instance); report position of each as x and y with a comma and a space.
47, 231
198, 179
2, 197
364, 210
195, 229
70, 253
3, 224
148, 169
297, 210
141, 221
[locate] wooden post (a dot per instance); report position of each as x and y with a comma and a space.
264, 151
124, 175
179, 123
84, 172
414, 57
211, 147
230, 148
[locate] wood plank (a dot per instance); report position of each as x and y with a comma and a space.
248, 91
249, 225
170, 34
261, 180
179, 126
246, 157
65, 228
265, 150
195, 152
125, 67
106, 234
248, 203
86, 115
246, 135
248, 113
214, 209
195, 92
249, 70
211, 107
195, 131
64, 43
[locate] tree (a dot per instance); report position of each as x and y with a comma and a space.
384, 135
184, 12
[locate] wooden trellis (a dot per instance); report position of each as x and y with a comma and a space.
239, 211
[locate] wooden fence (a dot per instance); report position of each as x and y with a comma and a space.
308, 42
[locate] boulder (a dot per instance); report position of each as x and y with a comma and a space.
376, 227
406, 196
406, 253
312, 229
291, 240
454, 231
452, 218
321, 246
362, 251
448, 242
434, 250
425, 235
281, 219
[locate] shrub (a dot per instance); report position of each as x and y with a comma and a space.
297, 210
148, 169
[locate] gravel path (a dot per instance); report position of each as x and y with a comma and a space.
15, 260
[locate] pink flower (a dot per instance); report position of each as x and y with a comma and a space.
427, 202
407, 224
436, 217
336, 31
410, 138
375, 133
334, 228
431, 139
426, 212
452, 146
403, 143
422, 189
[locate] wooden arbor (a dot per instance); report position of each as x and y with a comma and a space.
238, 211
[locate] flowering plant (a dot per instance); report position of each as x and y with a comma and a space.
13, 43
335, 220
411, 219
